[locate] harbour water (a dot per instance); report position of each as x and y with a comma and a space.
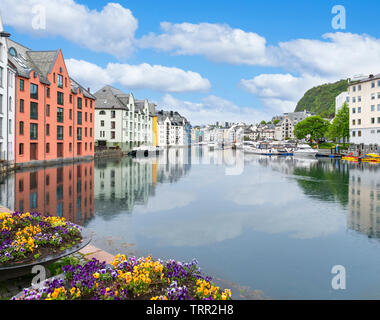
274, 224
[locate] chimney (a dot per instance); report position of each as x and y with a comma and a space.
371, 76
88, 89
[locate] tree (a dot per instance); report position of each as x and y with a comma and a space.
340, 127
263, 122
313, 127
276, 121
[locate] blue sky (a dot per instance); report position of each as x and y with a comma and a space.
215, 60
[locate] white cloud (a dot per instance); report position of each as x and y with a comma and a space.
146, 76
110, 30
211, 109
280, 92
218, 42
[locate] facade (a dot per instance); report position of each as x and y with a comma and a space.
340, 100
7, 101
172, 129
121, 121
364, 104
285, 128
54, 115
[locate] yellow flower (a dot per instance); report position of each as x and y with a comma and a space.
96, 275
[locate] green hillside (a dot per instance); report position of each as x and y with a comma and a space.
321, 99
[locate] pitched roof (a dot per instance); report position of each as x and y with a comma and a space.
107, 98
74, 88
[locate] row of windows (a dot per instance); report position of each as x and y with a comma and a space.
353, 134
359, 121
34, 131
113, 115
34, 112
59, 145
60, 95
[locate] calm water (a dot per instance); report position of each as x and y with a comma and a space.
277, 225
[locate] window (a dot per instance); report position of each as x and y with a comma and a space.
33, 131
102, 113
372, 120
22, 105
48, 147
359, 133
373, 96
79, 133
48, 129
90, 132
102, 123
79, 103
71, 98
22, 85
1, 77
113, 124
33, 91
353, 88
85, 116
59, 114
359, 87
59, 132
21, 149
359, 99
359, 121
113, 114
353, 110
33, 110
60, 81
372, 108
353, 122
359, 109
48, 110
85, 132
60, 98
79, 117
71, 114
90, 117
21, 127
70, 146
378, 120
48, 92
70, 131
372, 84
112, 134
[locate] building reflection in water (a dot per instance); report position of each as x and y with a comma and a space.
364, 199
122, 183
65, 191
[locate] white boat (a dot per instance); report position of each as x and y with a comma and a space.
212, 145
304, 150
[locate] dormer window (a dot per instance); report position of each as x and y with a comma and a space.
13, 52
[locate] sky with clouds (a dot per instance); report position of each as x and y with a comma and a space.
240, 60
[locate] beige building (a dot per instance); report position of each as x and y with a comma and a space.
364, 104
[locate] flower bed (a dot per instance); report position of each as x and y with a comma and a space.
27, 237
126, 279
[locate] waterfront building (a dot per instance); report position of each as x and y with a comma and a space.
340, 100
7, 101
172, 129
121, 121
364, 105
54, 114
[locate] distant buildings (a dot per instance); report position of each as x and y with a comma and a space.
121, 121
285, 128
172, 129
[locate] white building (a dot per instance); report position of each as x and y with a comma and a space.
7, 100
285, 128
172, 129
364, 104
340, 100
121, 121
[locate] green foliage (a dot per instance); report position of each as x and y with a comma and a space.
340, 128
313, 127
321, 99
56, 267
263, 122
276, 121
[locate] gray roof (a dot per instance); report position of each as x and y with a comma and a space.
111, 98
175, 118
107, 98
74, 88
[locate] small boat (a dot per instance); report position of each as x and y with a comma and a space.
212, 145
304, 150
